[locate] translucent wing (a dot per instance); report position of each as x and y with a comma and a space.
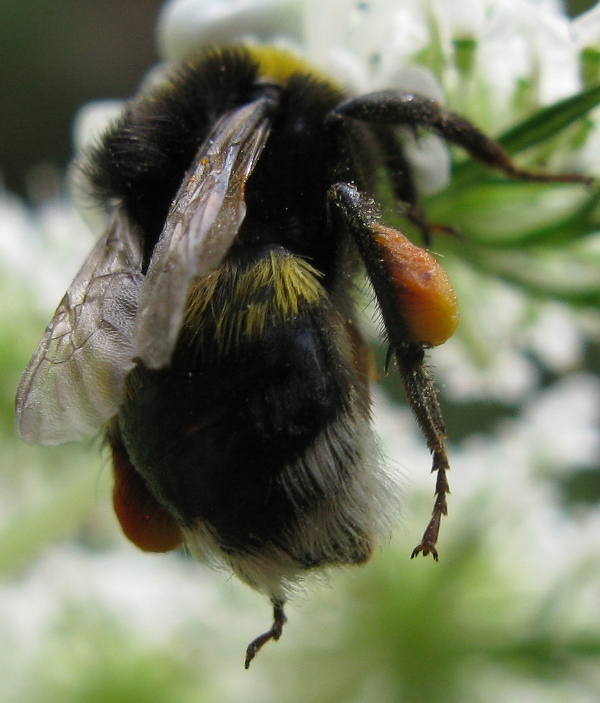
201, 226
75, 381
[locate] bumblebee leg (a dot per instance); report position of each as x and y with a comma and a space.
395, 108
422, 397
279, 620
403, 185
355, 213
391, 153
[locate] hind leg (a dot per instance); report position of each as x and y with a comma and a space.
279, 620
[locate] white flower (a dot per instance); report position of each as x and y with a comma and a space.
586, 28
44, 247
529, 40
186, 26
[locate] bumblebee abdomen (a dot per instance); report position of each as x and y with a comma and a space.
256, 378
213, 441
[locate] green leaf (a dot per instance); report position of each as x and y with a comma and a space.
549, 121
509, 213
568, 273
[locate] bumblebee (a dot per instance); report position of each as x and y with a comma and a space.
211, 333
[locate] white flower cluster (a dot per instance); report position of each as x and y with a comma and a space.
369, 44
